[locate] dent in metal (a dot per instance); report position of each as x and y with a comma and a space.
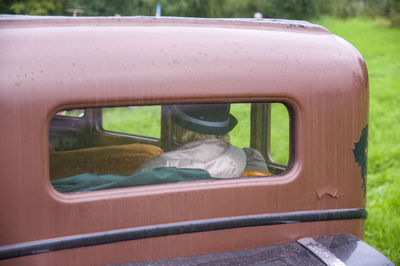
327, 190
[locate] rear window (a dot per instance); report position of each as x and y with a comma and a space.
126, 146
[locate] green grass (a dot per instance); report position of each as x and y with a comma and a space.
380, 47
240, 135
146, 120
141, 120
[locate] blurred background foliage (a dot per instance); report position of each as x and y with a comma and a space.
288, 9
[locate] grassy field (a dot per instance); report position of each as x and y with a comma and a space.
380, 47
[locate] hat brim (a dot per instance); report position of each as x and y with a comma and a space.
207, 129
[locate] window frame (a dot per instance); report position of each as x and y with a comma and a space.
260, 132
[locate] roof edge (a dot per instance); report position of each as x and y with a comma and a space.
10, 21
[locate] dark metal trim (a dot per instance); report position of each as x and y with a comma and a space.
320, 251
106, 237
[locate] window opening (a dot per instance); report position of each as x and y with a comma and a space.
136, 120
72, 113
143, 145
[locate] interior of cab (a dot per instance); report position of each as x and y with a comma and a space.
90, 143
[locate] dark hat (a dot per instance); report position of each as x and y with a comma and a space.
212, 119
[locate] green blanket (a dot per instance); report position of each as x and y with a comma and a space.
160, 175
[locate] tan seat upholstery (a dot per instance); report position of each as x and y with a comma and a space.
251, 173
120, 159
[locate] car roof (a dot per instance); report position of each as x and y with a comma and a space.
102, 60
36, 21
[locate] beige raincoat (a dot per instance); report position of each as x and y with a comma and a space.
217, 157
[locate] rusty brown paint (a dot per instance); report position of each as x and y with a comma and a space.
55, 64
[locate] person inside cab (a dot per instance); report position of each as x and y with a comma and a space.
205, 143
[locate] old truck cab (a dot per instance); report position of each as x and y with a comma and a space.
88, 105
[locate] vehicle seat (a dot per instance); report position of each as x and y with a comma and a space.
118, 159
255, 173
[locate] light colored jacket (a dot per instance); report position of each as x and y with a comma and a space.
220, 159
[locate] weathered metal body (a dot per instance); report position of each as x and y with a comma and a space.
343, 249
52, 64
